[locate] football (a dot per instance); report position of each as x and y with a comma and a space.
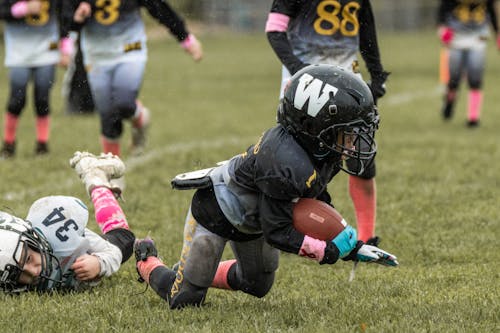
317, 219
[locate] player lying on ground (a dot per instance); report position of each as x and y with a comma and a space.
326, 118
52, 249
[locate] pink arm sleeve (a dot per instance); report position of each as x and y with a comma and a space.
312, 248
277, 22
20, 9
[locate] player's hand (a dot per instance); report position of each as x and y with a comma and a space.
193, 47
66, 50
144, 248
346, 241
86, 267
82, 13
445, 34
370, 253
377, 85
34, 7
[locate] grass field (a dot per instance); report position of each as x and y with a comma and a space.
438, 208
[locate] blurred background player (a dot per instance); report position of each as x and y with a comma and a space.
76, 89
52, 249
113, 42
33, 47
249, 200
463, 26
332, 32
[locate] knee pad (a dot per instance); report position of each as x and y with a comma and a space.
16, 105
126, 109
258, 287
368, 173
203, 259
123, 239
475, 83
42, 107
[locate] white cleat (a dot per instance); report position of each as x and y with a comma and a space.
98, 171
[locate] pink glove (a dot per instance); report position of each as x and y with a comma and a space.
445, 34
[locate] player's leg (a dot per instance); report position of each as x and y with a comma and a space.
100, 78
18, 77
456, 64
43, 79
363, 192
188, 283
252, 271
475, 70
285, 78
126, 85
97, 172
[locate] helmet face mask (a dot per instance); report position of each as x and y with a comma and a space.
18, 237
331, 113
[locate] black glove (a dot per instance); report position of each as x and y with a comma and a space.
377, 84
144, 248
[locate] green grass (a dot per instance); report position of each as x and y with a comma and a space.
438, 190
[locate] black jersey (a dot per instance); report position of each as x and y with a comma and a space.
267, 178
468, 15
321, 29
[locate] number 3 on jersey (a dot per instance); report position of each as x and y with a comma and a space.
107, 11
334, 17
57, 216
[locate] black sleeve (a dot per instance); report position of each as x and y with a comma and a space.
368, 44
492, 14
277, 226
279, 39
5, 13
441, 13
161, 11
281, 46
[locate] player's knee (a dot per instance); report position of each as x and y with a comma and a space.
475, 84
123, 239
16, 105
260, 286
42, 108
126, 108
362, 171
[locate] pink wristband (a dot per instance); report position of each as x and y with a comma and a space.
277, 22
186, 43
66, 46
312, 248
20, 9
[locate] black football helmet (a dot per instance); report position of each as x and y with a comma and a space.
17, 235
330, 111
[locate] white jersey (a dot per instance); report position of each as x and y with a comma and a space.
63, 220
33, 41
114, 35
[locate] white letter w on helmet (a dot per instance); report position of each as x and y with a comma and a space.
309, 88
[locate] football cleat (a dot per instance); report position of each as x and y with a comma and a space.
140, 127
41, 148
447, 111
8, 150
98, 171
472, 123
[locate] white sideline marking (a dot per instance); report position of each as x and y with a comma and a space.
404, 98
132, 163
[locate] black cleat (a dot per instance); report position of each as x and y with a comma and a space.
41, 148
8, 150
375, 241
447, 111
473, 123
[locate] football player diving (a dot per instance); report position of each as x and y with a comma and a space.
52, 249
326, 118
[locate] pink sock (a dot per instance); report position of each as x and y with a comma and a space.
364, 198
10, 127
146, 267
110, 146
475, 101
108, 213
220, 279
42, 128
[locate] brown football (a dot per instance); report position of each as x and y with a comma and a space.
317, 219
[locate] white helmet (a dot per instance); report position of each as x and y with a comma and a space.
16, 235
